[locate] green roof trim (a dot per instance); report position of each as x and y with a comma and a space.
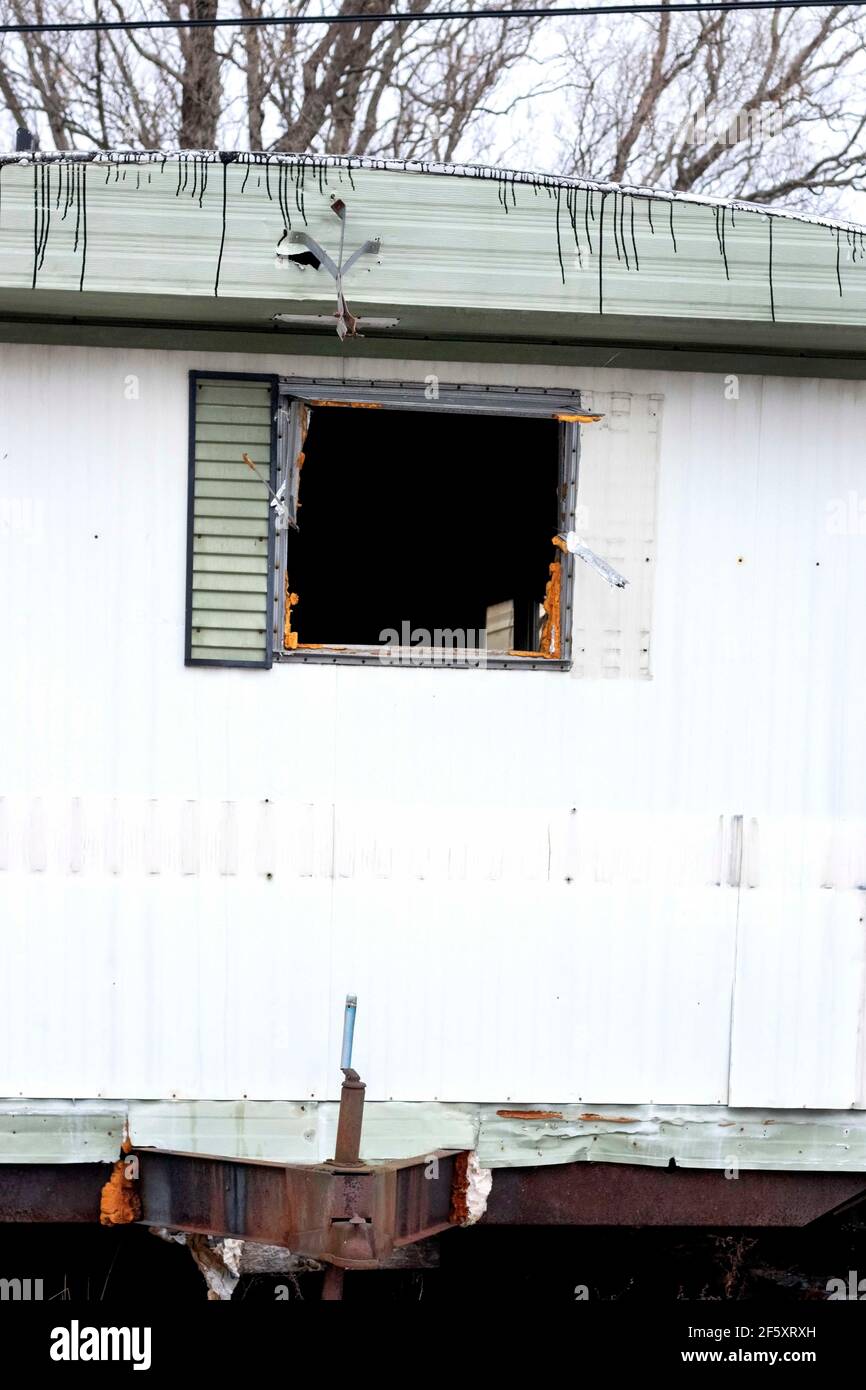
466, 238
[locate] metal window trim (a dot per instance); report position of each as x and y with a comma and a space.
463, 400
451, 397
569, 473
369, 656
267, 378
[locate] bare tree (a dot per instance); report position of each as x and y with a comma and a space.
377, 88
98, 89
398, 90
759, 105
762, 105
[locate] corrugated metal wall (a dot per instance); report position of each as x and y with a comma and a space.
539, 885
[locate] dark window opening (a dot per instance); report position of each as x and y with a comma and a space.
413, 522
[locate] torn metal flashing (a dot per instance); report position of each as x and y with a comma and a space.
711, 1137
61, 1131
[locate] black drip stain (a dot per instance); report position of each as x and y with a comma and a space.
60, 185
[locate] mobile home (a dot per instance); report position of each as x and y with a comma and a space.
442, 586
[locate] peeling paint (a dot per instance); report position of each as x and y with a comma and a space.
350, 405
530, 1114
609, 1119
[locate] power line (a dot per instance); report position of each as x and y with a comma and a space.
406, 16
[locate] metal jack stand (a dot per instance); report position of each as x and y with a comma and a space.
347, 1152
347, 1149
346, 1213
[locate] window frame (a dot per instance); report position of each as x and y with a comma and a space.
297, 393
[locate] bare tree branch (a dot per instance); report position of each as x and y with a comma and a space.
755, 105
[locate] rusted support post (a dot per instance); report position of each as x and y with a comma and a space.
332, 1285
347, 1152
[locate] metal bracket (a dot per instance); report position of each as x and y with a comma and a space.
369, 248
352, 1218
345, 321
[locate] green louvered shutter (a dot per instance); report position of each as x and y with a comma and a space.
230, 557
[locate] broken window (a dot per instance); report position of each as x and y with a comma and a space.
401, 523
424, 535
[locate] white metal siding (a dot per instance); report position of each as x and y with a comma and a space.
530, 879
617, 519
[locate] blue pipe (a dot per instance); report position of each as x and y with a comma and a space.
348, 1031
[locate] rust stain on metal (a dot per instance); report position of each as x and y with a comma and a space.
459, 1212
569, 419
353, 1218
530, 1114
625, 1194
350, 1120
290, 638
609, 1119
350, 405
119, 1202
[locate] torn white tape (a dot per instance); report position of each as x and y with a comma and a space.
575, 546
479, 1182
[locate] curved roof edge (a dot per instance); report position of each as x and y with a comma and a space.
505, 177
